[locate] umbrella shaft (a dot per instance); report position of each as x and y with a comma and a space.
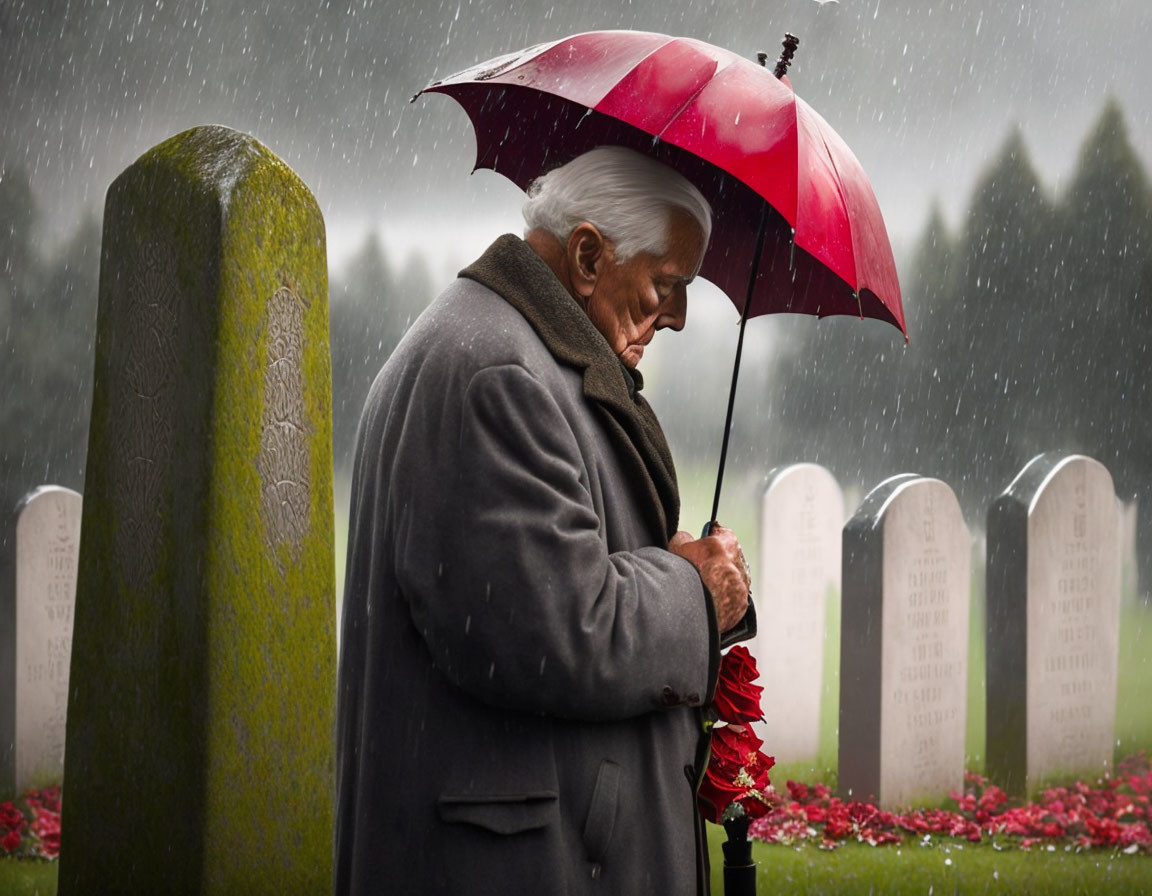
739, 351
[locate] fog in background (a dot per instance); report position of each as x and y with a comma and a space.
922, 90
928, 94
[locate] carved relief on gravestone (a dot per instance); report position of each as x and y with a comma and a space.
801, 515
141, 402
1053, 617
904, 644
283, 462
47, 551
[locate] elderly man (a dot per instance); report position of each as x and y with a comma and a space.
527, 638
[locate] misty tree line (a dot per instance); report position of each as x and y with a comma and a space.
1029, 327
1030, 332
48, 320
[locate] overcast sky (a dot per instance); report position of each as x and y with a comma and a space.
924, 91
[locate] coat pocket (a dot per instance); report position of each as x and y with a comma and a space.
502, 813
602, 813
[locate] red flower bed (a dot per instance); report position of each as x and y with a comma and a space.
1113, 814
30, 826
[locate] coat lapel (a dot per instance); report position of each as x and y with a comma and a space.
514, 271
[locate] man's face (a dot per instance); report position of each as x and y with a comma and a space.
631, 301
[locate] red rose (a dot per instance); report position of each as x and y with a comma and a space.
737, 699
11, 841
46, 828
717, 792
11, 818
739, 665
737, 772
50, 798
754, 804
50, 845
798, 791
734, 747
738, 703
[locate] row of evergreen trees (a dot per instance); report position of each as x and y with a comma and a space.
1029, 331
48, 318
47, 324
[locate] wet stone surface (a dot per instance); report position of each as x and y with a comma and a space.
801, 517
904, 644
1053, 622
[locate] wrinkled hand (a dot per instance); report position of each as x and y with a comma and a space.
722, 568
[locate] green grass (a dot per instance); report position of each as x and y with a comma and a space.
27, 877
852, 869
1133, 706
941, 868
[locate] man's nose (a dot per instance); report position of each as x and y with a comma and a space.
675, 311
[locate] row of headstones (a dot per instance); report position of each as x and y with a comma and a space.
1053, 600
902, 567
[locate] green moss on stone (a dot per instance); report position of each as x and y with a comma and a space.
202, 696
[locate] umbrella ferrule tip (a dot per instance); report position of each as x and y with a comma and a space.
790, 43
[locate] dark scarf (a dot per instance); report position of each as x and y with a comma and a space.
514, 271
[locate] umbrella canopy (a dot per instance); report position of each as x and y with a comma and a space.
727, 124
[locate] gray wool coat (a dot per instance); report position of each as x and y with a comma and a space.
522, 659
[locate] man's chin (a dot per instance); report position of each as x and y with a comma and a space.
632, 356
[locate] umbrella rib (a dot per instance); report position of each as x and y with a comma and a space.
848, 222
720, 66
691, 99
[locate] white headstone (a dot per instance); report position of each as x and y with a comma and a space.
47, 549
1053, 623
801, 516
904, 644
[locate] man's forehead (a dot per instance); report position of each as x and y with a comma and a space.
685, 246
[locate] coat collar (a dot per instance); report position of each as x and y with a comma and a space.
514, 271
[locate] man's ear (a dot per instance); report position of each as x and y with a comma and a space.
586, 249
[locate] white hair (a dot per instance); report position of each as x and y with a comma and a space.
628, 196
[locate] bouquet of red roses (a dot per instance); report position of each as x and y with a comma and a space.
737, 773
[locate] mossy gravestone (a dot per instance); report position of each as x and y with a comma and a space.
904, 645
1053, 623
202, 696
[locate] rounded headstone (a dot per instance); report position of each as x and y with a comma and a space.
904, 644
801, 517
1053, 623
47, 548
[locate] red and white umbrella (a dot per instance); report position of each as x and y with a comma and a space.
796, 225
